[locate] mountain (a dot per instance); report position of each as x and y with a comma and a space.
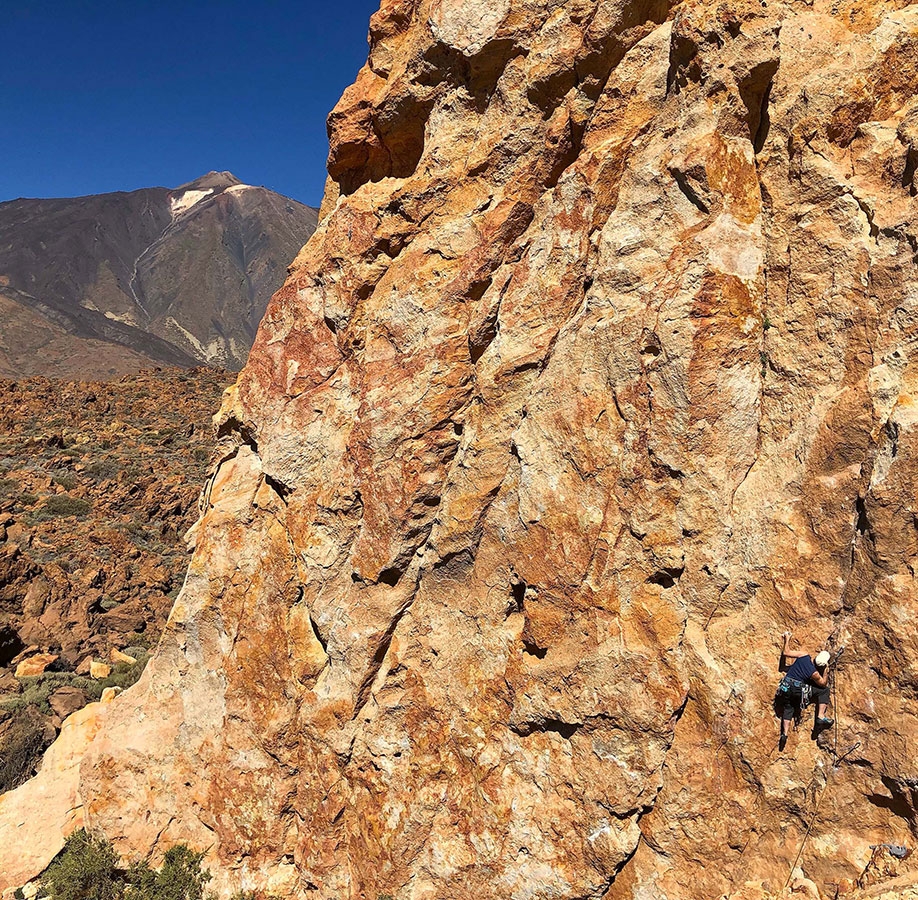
110, 283
600, 373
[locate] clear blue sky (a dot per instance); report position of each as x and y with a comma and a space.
102, 96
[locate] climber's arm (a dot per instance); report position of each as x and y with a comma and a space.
787, 653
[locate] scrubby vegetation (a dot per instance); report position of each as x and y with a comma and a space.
88, 868
98, 484
25, 740
36, 690
63, 506
27, 736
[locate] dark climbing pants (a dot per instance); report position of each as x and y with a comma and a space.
818, 695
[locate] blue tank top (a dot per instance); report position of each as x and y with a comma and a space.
803, 669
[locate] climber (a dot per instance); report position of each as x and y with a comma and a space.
806, 679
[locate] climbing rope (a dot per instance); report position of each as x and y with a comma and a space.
809, 828
835, 710
836, 760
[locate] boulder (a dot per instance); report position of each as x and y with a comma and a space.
67, 700
99, 670
45, 810
35, 665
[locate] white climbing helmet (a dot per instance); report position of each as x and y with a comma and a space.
822, 658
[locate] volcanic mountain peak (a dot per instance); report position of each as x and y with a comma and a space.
216, 181
186, 196
110, 283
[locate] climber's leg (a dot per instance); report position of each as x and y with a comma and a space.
821, 699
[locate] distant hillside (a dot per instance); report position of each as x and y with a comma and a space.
110, 283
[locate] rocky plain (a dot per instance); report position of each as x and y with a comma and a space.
597, 375
99, 483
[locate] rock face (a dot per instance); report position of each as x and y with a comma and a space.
39, 816
598, 373
110, 283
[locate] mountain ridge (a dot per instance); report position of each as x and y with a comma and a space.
174, 276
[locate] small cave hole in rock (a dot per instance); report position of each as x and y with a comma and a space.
319, 636
651, 345
666, 578
566, 729
245, 432
517, 595
863, 523
279, 488
391, 576
11, 645
533, 649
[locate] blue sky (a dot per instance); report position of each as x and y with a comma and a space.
104, 96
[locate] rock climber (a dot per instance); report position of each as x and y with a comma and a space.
805, 680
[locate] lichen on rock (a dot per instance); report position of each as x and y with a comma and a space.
596, 376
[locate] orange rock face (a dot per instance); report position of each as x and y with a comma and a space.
596, 376
36, 818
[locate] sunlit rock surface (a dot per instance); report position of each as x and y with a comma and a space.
36, 818
597, 375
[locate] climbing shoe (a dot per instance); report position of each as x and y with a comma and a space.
825, 723
782, 742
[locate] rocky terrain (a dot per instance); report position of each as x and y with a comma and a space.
597, 375
98, 484
97, 286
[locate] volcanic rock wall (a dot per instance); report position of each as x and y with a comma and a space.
597, 375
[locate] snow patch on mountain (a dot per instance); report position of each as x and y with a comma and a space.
185, 201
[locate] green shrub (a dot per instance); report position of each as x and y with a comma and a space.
180, 878
8, 486
36, 690
61, 506
102, 469
22, 749
126, 674
88, 869
137, 530
67, 481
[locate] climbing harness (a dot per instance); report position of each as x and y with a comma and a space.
795, 691
798, 694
